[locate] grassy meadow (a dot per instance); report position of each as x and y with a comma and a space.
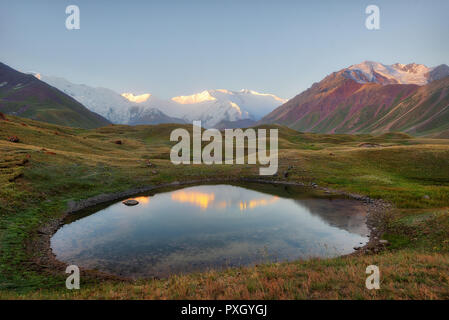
52, 165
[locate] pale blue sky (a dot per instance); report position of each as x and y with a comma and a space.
171, 48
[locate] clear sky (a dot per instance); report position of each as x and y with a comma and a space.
171, 48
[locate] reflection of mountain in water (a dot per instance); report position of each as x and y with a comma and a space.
344, 214
338, 212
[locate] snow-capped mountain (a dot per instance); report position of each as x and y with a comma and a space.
370, 71
136, 98
147, 115
371, 97
199, 106
105, 102
215, 106
254, 103
209, 106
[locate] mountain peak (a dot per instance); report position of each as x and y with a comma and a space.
342, 103
411, 67
194, 98
412, 73
136, 98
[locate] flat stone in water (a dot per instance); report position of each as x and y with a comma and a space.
131, 202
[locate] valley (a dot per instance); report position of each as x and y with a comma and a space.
53, 166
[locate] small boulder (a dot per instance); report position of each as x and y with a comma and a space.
383, 242
130, 202
426, 197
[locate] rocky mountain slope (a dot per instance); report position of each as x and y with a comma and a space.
26, 96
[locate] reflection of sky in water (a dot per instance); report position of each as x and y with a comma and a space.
231, 198
209, 226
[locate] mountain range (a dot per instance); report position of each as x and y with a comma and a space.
371, 97
209, 106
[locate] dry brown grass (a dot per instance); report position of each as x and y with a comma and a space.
404, 275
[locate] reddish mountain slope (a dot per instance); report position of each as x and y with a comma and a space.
423, 113
339, 104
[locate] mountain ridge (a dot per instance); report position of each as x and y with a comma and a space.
26, 96
412, 73
209, 106
348, 102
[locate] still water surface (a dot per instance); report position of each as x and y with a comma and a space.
211, 226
